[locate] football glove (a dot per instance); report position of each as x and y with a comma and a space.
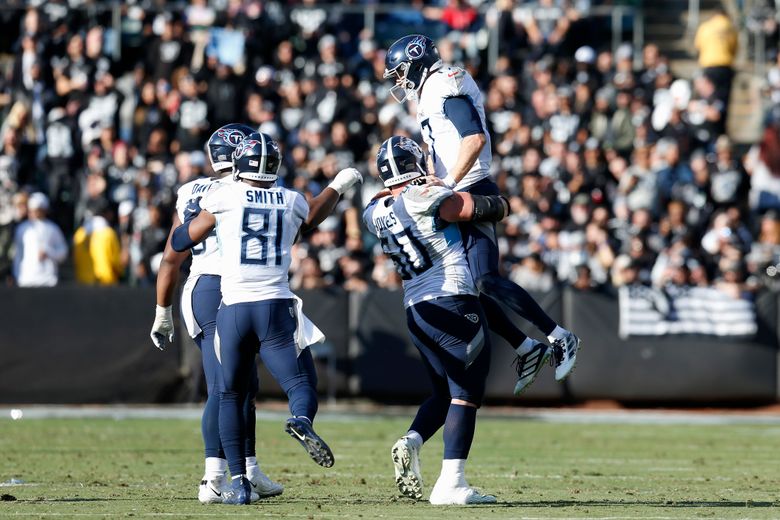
192, 210
163, 327
345, 179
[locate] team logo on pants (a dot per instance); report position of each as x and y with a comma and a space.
473, 318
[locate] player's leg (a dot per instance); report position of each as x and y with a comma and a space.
295, 373
481, 247
464, 352
205, 302
234, 324
250, 419
430, 416
261, 484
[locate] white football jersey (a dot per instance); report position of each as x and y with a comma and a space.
440, 134
256, 228
205, 256
427, 252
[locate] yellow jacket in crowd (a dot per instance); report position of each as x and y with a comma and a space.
716, 41
97, 253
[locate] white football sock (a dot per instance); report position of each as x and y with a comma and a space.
453, 471
525, 346
251, 461
215, 468
415, 439
557, 333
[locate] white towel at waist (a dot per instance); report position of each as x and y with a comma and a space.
187, 313
306, 332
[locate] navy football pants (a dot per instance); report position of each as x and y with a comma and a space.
481, 245
206, 298
240, 327
452, 336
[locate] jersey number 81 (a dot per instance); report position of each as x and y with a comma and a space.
261, 234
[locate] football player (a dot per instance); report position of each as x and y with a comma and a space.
452, 121
257, 224
443, 312
199, 303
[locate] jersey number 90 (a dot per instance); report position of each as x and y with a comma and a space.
397, 251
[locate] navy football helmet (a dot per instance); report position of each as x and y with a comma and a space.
409, 61
400, 160
221, 144
257, 158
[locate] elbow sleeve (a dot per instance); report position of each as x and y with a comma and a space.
490, 208
180, 240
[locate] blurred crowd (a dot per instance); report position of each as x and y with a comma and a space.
617, 173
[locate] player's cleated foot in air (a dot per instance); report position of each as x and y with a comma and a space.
529, 363
263, 486
406, 460
240, 492
447, 494
565, 350
301, 430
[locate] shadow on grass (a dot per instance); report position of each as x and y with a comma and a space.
388, 502
649, 503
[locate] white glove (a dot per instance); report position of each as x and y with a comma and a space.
163, 326
345, 179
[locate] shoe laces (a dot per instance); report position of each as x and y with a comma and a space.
521, 360
559, 353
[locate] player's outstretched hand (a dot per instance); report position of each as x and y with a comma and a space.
192, 209
163, 327
345, 179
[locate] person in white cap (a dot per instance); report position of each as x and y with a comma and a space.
40, 246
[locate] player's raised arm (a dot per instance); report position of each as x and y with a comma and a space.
323, 204
463, 114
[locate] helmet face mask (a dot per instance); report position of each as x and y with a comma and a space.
257, 158
409, 61
400, 160
220, 146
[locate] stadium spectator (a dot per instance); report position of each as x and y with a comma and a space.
607, 166
716, 42
39, 247
97, 251
16, 214
763, 165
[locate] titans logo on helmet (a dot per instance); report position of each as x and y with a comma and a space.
415, 49
244, 146
231, 136
404, 143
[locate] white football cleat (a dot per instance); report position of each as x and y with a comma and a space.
445, 493
565, 350
213, 491
529, 363
262, 485
406, 460
216, 491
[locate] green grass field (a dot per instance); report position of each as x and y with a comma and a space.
136, 468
